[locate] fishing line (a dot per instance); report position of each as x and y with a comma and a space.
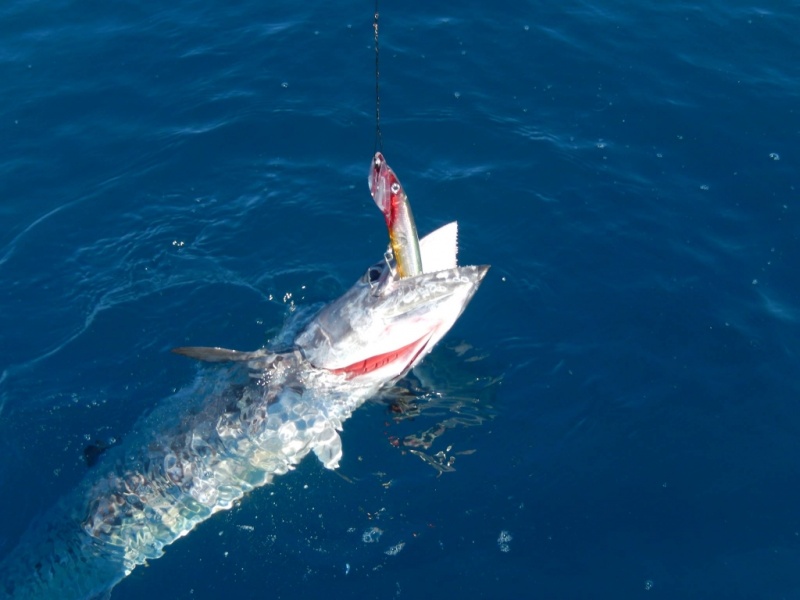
378, 135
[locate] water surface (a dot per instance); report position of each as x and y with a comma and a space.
194, 174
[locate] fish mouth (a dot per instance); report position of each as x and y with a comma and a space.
420, 293
405, 355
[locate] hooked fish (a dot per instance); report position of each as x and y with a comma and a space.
388, 193
234, 429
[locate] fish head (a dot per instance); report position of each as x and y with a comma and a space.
384, 324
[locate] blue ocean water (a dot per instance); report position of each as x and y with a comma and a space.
621, 396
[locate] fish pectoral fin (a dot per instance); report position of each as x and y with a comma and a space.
328, 447
210, 354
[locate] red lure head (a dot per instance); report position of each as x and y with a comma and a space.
385, 188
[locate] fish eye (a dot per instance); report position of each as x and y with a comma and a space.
374, 274
395, 187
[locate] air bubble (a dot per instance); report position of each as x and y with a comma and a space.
395, 549
503, 541
371, 535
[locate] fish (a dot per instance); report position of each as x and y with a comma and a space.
389, 195
246, 419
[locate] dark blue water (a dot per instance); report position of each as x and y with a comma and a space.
622, 396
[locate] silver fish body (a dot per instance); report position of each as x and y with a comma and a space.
237, 427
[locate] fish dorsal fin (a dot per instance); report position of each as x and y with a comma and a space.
209, 354
439, 249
